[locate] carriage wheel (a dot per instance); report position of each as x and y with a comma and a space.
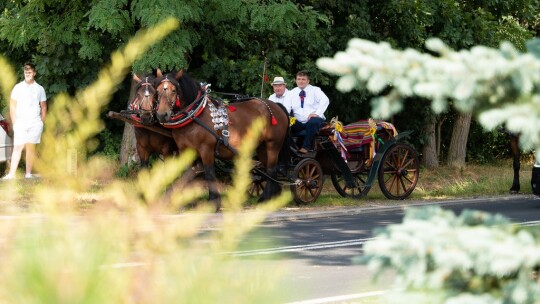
308, 181
399, 171
258, 182
355, 192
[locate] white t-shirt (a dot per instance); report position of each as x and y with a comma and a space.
28, 97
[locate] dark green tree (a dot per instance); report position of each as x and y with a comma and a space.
227, 42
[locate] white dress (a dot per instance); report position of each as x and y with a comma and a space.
28, 125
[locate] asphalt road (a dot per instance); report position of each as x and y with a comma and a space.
317, 247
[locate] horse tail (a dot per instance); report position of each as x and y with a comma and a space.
284, 153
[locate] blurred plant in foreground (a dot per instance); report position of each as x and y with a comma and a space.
501, 85
78, 236
471, 258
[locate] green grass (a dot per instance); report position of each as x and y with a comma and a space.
475, 180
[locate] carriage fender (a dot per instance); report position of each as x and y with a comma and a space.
380, 153
403, 135
378, 157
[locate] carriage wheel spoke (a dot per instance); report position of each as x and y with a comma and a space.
398, 176
388, 165
406, 165
311, 192
312, 170
308, 174
405, 154
393, 178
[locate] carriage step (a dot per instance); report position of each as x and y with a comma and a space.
309, 154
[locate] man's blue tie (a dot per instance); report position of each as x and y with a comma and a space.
302, 96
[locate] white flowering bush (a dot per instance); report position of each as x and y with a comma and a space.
475, 257
501, 85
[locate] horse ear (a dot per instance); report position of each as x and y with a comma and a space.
159, 73
136, 78
179, 74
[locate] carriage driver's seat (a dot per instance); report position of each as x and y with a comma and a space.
297, 139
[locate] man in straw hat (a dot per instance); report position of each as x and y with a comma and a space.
280, 90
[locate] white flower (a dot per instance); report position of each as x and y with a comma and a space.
346, 83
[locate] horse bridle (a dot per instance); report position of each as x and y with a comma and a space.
171, 103
146, 98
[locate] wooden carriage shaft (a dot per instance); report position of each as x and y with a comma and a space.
128, 120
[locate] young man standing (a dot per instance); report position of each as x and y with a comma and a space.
280, 90
308, 104
28, 108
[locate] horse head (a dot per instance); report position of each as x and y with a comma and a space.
170, 95
145, 98
175, 91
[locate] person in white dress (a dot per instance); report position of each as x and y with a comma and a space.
280, 90
28, 108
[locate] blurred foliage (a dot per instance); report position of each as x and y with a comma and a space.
474, 257
501, 86
109, 144
79, 236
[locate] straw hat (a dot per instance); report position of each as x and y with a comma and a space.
278, 80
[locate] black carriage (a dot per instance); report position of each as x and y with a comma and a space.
354, 157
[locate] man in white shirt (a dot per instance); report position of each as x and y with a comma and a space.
280, 90
308, 104
27, 108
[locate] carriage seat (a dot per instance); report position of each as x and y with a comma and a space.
298, 138
358, 134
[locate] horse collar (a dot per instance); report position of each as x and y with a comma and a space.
187, 116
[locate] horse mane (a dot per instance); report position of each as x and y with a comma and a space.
189, 87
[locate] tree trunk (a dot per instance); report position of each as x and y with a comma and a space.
440, 122
429, 151
128, 147
458, 144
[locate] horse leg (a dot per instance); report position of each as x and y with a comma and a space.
514, 147
272, 188
143, 156
213, 193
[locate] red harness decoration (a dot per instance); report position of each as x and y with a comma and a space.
186, 116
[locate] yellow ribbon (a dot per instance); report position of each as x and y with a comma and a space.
372, 129
339, 127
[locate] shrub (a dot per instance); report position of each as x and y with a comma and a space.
475, 257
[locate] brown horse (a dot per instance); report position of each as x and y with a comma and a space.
201, 122
141, 107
